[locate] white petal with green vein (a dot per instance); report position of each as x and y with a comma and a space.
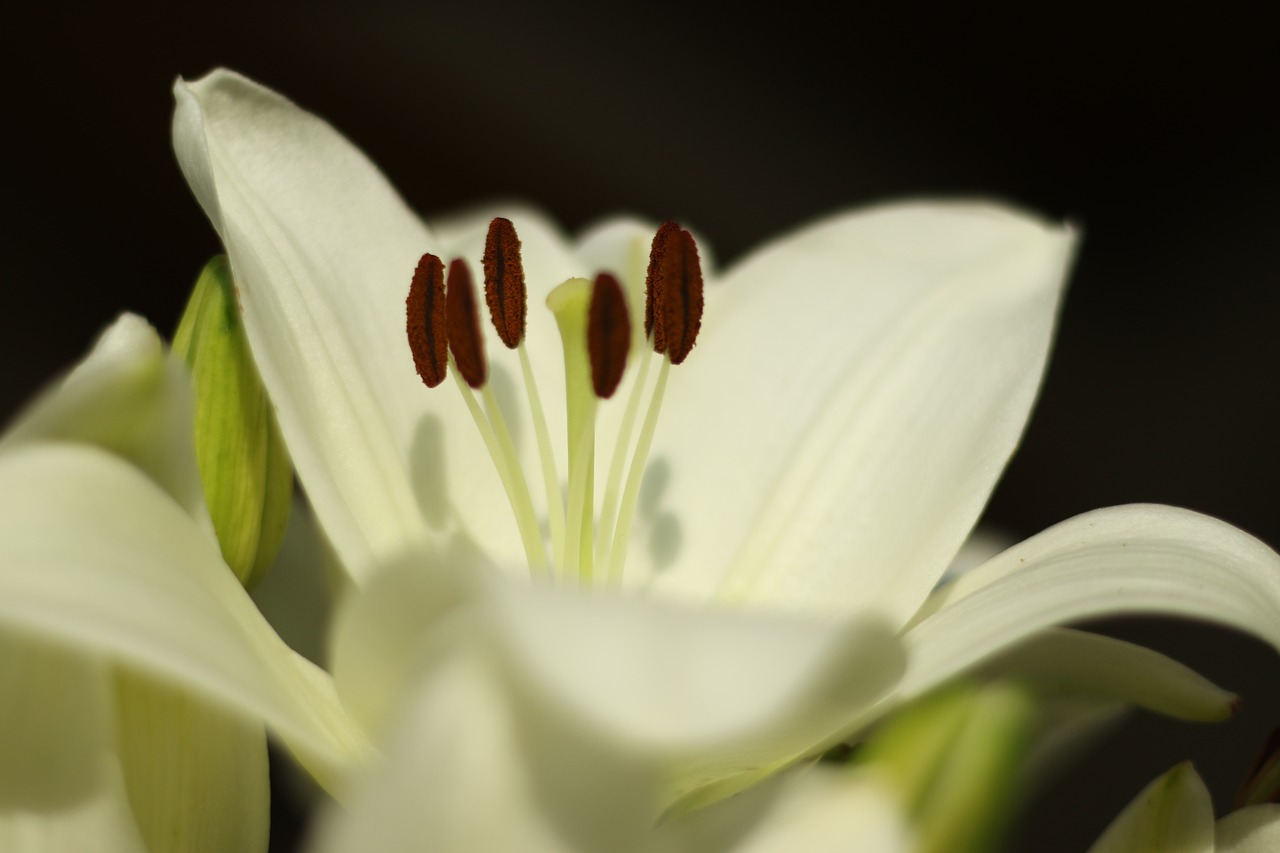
1060, 662
1132, 559
196, 774
809, 465
92, 553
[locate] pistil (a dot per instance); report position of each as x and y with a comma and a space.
569, 302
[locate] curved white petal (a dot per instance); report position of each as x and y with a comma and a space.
458, 777
1063, 662
1255, 829
322, 250
814, 810
1131, 559
196, 774
857, 388
621, 246
127, 397
690, 680
60, 785
710, 694
99, 822
1173, 814
94, 555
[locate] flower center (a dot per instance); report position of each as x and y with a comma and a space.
587, 541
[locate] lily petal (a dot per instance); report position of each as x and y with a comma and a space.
60, 787
1130, 559
127, 397
465, 726
196, 774
322, 250
1255, 829
708, 693
821, 810
93, 554
856, 390
1060, 662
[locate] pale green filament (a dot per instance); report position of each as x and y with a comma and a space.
555, 497
609, 508
508, 465
618, 551
570, 302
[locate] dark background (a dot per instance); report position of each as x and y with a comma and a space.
1154, 128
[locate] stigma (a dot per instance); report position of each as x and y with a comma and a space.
580, 539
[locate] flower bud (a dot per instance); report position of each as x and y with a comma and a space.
244, 466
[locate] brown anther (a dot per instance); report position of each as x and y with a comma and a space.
504, 288
653, 281
608, 335
673, 293
425, 310
466, 341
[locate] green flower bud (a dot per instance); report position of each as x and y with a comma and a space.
247, 476
954, 758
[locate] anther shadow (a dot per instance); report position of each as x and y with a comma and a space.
508, 394
427, 471
662, 529
427, 455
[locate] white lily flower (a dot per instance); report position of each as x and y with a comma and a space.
856, 389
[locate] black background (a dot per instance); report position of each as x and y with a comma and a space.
1155, 128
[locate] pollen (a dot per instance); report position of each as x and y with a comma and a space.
425, 310
504, 287
608, 335
673, 293
466, 341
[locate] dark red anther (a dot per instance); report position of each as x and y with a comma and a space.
652, 283
608, 335
504, 288
466, 341
673, 292
425, 309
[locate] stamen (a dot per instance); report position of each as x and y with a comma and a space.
609, 508
507, 298
425, 310
608, 335
652, 285
673, 306
463, 322
511, 475
673, 316
627, 511
504, 287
